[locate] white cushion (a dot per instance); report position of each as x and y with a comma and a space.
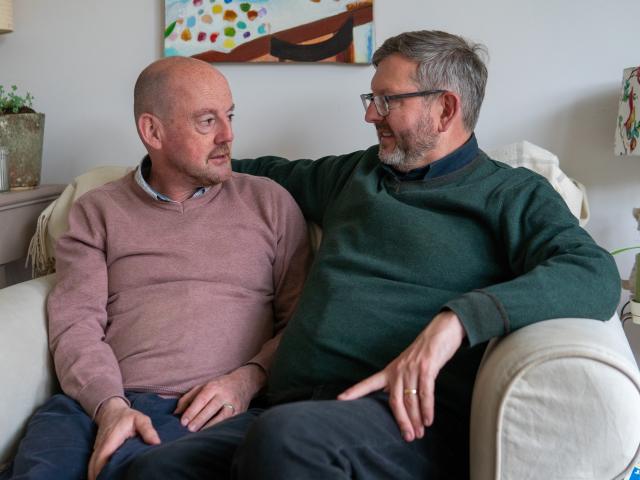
26, 376
533, 157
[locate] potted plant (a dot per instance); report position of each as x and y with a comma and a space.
21, 133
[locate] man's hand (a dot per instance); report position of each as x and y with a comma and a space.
116, 423
410, 377
205, 405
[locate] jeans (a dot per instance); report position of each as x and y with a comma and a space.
315, 439
59, 439
206, 454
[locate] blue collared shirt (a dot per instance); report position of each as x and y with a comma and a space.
447, 164
141, 175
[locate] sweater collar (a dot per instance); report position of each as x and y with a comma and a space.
142, 174
455, 160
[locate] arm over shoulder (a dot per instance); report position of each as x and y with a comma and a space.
312, 183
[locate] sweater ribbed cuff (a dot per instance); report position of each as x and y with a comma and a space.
260, 366
96, 392
482, 315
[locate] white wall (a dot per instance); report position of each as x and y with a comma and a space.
554, 74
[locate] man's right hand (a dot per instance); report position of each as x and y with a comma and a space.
118, 422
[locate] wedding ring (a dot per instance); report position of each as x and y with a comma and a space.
228, 405
410, 391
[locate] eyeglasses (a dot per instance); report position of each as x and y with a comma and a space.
382, 101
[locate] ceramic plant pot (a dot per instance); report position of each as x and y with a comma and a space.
22, 135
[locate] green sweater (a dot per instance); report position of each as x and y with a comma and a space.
496, 245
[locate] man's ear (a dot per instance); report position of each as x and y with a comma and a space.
150, 130
451, 108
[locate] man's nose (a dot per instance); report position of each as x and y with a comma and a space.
225, 134
371, 115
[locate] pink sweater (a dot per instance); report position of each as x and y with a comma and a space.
160, 297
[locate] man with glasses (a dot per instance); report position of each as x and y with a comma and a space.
430, 249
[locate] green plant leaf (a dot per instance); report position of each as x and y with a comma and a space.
620, 250
12, 102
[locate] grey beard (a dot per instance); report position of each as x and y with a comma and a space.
393, 159
423, 138
405, 161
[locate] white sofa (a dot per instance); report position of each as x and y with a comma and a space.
555, 400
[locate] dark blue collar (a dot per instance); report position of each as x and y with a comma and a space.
457, 159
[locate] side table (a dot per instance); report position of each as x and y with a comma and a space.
19, 212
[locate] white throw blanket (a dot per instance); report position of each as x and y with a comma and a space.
533, 157
52, 222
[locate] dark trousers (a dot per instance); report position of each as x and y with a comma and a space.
316, 439
206, 454
60, 436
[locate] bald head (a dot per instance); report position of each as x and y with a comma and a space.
162, 82
183, 109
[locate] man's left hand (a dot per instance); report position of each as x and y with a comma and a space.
410, 377
222, 398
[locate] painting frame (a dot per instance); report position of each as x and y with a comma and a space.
273, 31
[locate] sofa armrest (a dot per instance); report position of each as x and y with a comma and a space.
557, 399
26, 376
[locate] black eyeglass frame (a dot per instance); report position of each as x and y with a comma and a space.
368, 97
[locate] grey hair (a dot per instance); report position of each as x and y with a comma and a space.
444, 61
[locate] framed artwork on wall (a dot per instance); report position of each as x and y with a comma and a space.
338, 31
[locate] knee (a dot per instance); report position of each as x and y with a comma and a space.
265, 445
277, 430
280, 435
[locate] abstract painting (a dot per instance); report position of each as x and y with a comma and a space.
628, 128
270, 30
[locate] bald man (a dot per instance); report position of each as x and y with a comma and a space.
173, 284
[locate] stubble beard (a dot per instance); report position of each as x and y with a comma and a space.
411, 146
209, 175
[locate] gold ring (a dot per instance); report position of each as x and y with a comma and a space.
228, 405
410, 391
